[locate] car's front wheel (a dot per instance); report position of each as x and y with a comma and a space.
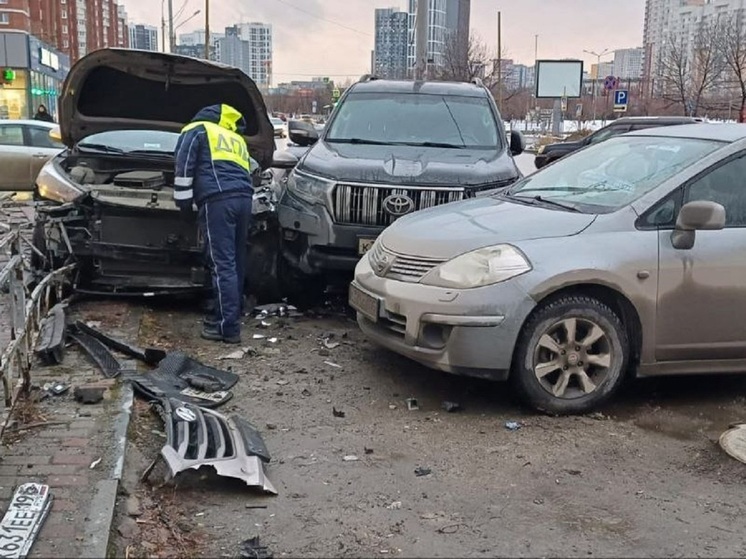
571, 356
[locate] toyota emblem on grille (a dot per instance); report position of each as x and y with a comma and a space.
186, 414
398, 205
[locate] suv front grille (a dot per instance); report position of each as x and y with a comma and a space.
358, 204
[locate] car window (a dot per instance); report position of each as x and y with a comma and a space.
613, 174
609, 132
414, 119
39, 138
725, 185
11, 135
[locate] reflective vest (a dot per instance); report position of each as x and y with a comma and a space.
224, 145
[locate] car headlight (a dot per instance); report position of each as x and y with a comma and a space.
52, 184
478, 268
540, 150
307, 187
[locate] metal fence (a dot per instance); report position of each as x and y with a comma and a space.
24, 308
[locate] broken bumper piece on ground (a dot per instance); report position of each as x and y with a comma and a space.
50, 345
199, 437
180, 376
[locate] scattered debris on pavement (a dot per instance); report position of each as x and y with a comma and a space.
420, 471
56, 388
412, 404
452, 407
513, 425
252, 549
27, 511
733, 441
91, 393
350, 458
50, 345
337, 413
239, 353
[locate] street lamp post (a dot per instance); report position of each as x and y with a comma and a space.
598, 67
176, 28
207, 29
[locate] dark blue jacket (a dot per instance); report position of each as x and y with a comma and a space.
212, 157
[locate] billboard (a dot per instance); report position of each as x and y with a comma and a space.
559, 78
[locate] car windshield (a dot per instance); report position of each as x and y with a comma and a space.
416, 119
129, 141
613, 174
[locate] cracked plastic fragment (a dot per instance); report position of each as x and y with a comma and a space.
200, 437
50, 346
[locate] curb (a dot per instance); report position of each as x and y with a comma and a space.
98, 526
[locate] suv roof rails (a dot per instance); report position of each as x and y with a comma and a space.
478, 82
368, 78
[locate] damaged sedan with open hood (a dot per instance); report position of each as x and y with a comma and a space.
107, 201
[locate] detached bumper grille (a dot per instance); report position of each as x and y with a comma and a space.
356, 204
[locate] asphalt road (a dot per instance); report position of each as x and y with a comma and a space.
643, 479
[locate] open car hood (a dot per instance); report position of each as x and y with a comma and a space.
123, 89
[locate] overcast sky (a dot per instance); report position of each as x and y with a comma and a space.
334, 37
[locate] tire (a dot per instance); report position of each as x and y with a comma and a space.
589, 371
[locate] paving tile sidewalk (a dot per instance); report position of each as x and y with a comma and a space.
68, 439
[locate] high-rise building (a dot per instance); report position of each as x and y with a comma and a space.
248, 46
669, 22
448, 22
390, 54
144, 37
602, 70
628, 63
75, 27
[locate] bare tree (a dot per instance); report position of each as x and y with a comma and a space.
691, 69
465, 62
732, 45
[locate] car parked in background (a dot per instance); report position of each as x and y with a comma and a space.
279, 127
389, 149
552, 152
627, 256
25, 146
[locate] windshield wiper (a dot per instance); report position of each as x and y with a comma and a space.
152, 152
101, 147
358, 141
532, 200
431, 145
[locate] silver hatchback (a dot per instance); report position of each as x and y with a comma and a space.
626, 256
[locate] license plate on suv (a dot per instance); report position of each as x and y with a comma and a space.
365, 304
364, 245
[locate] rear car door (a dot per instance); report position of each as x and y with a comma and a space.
15, 158
43, 148
701, 311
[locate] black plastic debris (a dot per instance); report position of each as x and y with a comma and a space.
337, 413
452, 407
151, 356
412, 404
97, 351
419, 471
180, 376
252, 549
50, 346
56, 388
275, 309
91, 393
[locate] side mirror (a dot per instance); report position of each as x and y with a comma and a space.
284, 160
701, 215
303, 137
517, 142
55, 134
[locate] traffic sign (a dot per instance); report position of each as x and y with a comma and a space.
621, 100
563, 104
611, 82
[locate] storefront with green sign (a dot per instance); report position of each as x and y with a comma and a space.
31, 74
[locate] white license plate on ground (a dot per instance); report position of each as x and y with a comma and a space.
364, 245
365, 304
209, 396
25, 515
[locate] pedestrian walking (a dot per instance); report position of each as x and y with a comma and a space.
213, 172
43, 114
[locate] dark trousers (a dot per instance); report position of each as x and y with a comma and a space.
225, 224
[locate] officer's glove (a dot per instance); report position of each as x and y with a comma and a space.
185, 209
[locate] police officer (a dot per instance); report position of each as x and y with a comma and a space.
213, 172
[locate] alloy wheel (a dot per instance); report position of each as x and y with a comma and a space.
572, 358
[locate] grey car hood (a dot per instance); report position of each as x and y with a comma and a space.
426, 166
447, 231
122, 89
